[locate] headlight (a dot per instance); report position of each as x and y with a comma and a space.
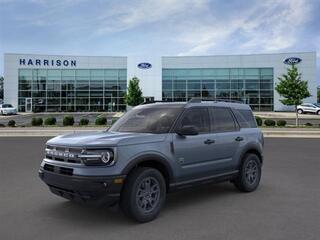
98, 157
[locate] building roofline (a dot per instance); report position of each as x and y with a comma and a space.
251, 54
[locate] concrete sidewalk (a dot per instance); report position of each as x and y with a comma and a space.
55, 131
286, 115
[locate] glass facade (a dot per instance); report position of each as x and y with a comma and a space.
253, 86
73, 90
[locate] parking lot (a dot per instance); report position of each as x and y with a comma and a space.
286, 206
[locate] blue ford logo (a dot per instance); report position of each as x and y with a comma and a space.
292, 60
144, 65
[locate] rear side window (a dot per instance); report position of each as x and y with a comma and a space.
222, 120
198, 117
245, 118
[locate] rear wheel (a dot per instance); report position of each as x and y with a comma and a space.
250, 173
144, 194
300, 111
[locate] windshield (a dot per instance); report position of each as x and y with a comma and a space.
147, 120
7, 106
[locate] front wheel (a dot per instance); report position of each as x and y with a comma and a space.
300, 111
249, 173
318, 112
144, 194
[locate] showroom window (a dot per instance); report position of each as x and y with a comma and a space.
253, 86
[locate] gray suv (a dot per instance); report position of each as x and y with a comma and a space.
155, 149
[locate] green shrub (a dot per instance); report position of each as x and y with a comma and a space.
68, 121
84, 122
101, 121
281, 123
259, 121
36, 121
308, 124
269, 122
50, 121
12, 123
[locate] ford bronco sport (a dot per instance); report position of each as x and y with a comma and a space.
155, 149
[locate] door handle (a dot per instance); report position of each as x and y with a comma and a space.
209, 141
239, 139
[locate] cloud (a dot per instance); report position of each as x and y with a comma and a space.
266, 26
122, 17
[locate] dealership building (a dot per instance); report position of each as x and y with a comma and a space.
52, 83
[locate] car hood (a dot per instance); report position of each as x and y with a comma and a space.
104, 138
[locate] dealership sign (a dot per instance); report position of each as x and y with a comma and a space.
292, 60
144, 65
47, 62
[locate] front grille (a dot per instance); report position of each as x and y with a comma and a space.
63, 154
66, 171
60, 170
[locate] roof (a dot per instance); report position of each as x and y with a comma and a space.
198, 102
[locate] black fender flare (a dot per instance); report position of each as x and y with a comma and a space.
150, 157
252, 147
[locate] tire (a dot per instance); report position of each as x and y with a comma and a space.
300, 111
318, 112
250, 173
140, 204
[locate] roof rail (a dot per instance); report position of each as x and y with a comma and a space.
199, 100
154, 101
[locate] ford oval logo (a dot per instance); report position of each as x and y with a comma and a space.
144, 65
292, 60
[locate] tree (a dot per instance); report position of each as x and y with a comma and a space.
134, 94
318, 94
292, 89
1, 87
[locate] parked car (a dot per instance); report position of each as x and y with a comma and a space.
155, 149
309, 108
7, 109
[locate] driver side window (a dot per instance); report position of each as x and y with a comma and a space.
198, 117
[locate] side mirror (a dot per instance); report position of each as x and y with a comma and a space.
188, 130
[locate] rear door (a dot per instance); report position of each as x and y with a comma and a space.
227, 136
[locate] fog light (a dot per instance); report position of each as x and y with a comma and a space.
118, 180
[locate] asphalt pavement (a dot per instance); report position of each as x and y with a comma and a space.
285, 206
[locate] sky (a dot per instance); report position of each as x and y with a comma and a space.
163, 27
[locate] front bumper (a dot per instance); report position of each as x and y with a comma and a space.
86, 189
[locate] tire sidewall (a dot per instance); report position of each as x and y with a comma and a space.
134, 210
244, 183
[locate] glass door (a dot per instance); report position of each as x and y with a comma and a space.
28, 104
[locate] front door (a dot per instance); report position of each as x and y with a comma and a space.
28, 105
194, 154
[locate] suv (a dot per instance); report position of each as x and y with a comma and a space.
309, 108
155, 149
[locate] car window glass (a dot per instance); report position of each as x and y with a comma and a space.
245, 118
7, 106
198, 117
147, 120
222, 120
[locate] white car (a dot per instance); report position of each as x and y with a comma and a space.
309, 108
6, 109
